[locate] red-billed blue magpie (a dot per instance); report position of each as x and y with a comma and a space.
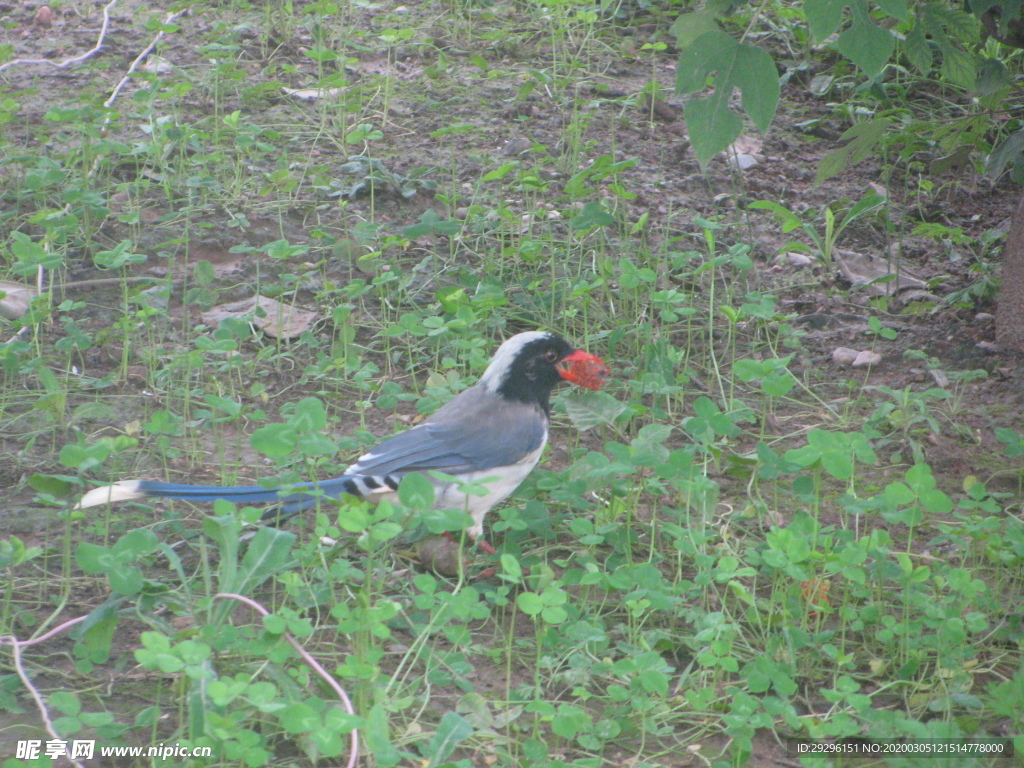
492, 434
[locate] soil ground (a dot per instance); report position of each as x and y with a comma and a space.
433, 83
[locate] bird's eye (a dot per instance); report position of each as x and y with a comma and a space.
551, 356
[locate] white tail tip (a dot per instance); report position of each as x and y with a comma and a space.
125, 490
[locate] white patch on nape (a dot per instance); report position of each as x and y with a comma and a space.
500, 364
125, 490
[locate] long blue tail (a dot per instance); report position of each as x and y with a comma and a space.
292, 499
291, 503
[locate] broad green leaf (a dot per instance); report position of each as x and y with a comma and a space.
377, 734
690, 25
530, 603
862, 138
499, 173
1007, 152
93, 637
299, 717
992, 77
712, 125
865, 44
592, 215
269, 551
897, 8
416, 491
823, 16
918, 49
451, 731
589, 409
135, 543
30, 256
936, 23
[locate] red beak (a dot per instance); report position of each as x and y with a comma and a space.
583, 369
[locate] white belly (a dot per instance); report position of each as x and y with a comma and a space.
448, 495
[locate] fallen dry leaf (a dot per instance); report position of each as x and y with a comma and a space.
16, 299
280, 321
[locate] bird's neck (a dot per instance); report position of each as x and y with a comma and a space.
522, 392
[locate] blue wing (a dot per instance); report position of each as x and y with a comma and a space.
473, 432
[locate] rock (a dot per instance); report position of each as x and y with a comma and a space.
517, 146
43, 18
797, 259
844, 355
867, 358
743, 161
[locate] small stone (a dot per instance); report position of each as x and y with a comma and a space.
797, 259
743, 161
43, 18
517, 146
940, 378
844, 355
867, 358
984, 317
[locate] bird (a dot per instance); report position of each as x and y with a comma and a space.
492, 433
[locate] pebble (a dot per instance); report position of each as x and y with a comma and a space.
867, 358
844, 355
797, 259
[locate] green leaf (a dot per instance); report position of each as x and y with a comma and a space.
269, 551
451, 731
378, 738
865, 44
31, 256
95, 558
309, 415
416, 491
713, 126
593, 215
499, 173
363, 132
13, 552
935, 23
1007, 152
918, 50
138, 542
118, 257
55, 485
530, 603
823, 16
590, 409
93, 637
275, 441
299, 718
690, 25
458, 128
84, 457
862, 138
316, 444
126, 580
897, 8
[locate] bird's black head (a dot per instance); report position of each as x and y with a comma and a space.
529, 365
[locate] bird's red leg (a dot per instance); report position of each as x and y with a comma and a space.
485, 546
